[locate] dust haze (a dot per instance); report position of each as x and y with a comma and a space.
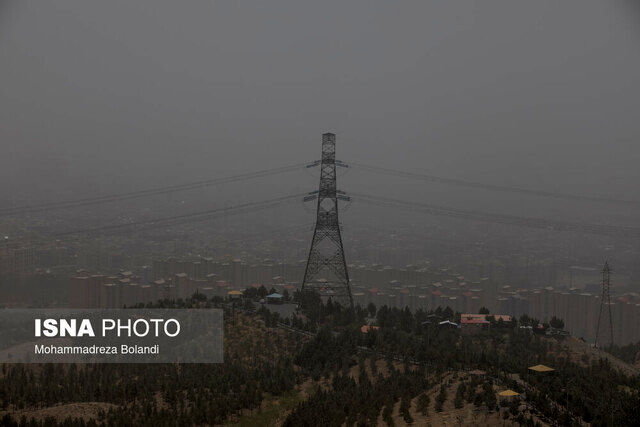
103, 98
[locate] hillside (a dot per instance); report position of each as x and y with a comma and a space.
321, 369
82, 410
582, 352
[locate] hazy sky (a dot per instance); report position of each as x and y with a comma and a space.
114, 95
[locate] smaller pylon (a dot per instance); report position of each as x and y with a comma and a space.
605, 305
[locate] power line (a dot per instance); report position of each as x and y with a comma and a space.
148, 192
492, 187
42, 207
186, 218
253, 236
540, 223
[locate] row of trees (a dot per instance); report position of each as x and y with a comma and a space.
596, 393
193, 393
154, 394
630, 353
360, 402
210, 394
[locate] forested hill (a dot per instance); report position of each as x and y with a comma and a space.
321, 367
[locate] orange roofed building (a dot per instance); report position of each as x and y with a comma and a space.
503, 317
479, 321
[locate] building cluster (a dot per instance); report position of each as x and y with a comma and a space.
173, 278
414, 286
234, 272
578, 309
18, 262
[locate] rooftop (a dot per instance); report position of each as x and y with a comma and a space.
274, 295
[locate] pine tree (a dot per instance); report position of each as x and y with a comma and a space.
458, 401
387, 413
441, 398
423, 404
405, 404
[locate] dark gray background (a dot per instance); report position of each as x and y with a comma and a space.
98, 97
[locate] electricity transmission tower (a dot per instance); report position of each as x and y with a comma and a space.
326, 271
605, 305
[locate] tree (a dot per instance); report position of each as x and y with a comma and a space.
199, 297
423, 403
405, 404
388, 412
441, 398
514, 407
526, 320
371, 308
556, 323
489, 395
458, 401
373, 365
262, 291
483, 310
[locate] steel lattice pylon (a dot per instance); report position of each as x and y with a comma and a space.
326, 272
605, 306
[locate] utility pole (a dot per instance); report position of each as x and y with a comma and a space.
326, 272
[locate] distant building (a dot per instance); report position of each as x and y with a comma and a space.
234, 294
496, 317
275, 298
448, 324
473, 324
365, 329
